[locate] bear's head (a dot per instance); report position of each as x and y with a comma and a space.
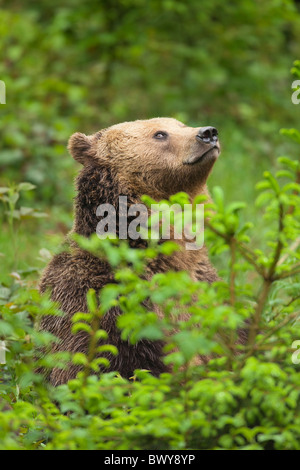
158, 157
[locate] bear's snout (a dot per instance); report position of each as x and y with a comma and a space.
208, 134
209, 147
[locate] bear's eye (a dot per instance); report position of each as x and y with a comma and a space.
160, 135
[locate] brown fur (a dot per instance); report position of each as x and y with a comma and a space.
124, 159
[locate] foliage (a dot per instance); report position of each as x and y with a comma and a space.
240, 397
84, 66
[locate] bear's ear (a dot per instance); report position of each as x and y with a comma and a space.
81, 147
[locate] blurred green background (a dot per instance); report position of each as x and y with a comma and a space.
82, 66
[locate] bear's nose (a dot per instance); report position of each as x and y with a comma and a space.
207, 134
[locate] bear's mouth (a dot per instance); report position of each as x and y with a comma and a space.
210, 154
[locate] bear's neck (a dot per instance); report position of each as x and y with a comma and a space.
99, 189
97, 185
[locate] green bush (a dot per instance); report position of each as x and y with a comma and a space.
242, 396
82, 66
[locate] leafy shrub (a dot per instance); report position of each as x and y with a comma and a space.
243, 396
84, 66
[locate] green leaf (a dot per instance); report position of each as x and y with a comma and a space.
79, 359
92, 301
26, 187
80, 326
4, 190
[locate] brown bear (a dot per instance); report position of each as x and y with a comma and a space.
158, 157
